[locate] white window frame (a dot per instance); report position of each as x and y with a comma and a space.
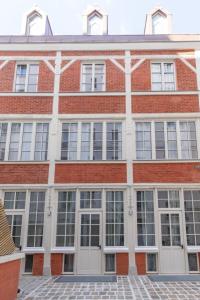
104, 139
178, 140
21, 212
27, 75
93, 63
162, 75
33, 139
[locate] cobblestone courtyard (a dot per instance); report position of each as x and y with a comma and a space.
136, 288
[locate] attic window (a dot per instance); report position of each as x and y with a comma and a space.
95, 24
34, 23
159, 23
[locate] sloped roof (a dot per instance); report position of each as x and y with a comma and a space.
7, 245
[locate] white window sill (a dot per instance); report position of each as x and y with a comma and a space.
115, 249
11, 257
33, 250
193, 249
63, 250
146, 249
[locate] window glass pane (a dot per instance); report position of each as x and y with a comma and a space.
145, 218
85, 141
69, 141
110, 262
143, 140
114, 219
26, 141
114, 141
97, 141
36, 217
20, 78
41, 141
14, 141
162, 76
28, 263
188, 140
3, 136
160, 140
192, 262
66, 219
68, 263
151, 262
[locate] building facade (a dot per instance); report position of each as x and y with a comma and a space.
100, 147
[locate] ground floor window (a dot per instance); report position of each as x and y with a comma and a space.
68, 263
193, 262
15, 222
28, 263
151, 262
110, 262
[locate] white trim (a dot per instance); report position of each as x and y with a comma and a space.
67, 65
49, 65
146, 249
188, 64
117, 64
193, 249
15, 256
33, 249
163, 93
63, 249
122, 249
137, 64
3, 64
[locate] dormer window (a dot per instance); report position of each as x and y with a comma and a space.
95, 24
159, 23
34, 24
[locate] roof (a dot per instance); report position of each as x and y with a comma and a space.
19, 39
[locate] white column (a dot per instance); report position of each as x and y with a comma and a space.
129, 159
53, 142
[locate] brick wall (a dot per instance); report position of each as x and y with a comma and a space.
45, 78
25, 105
140, 260
141, 77
166, 172
122, 263
90, 173
9, 279
165, 104
56, 263
7, 77
23, 173
38, 262
92, 105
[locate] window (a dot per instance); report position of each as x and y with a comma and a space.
95, 24
26, 78
168, 199
68, 263
159, 24
90, 230
14, 200
192, 217
66, 219
166, 141
188, 140
143, 140
36, 219
114, 141
41, 141
14, 203
90, 200
93, 77
110, 262
69, 141
94, 144
24, 141
170, 229
34, 24
145, 219
3, 134
15, 222
28, 263
163, 76
114, 218
151, 262
193, 262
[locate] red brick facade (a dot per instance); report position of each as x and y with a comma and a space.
38, 262
122, 263
56, 263
140, 259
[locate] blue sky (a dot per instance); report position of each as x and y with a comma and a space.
125, 16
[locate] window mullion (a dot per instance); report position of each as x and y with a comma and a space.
27, 75
153, 142
93, 75
178, 139
91, 140
166, 140
162, 76
79, 141
104, 136
20, 141
33, 137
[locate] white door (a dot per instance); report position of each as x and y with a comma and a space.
172, 253
89, 250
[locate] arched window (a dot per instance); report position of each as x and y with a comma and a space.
95, 24
159, 24
34, 24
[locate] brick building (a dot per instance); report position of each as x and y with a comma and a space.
100, 147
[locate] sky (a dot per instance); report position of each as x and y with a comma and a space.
125, 16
